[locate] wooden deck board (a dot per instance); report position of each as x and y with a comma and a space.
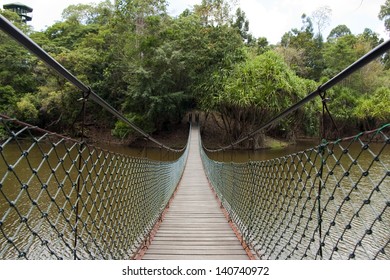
194, 227
195, 257
197, 251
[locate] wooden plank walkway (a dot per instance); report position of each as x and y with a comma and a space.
194, 227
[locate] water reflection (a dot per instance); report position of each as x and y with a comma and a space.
158, 154
261, 154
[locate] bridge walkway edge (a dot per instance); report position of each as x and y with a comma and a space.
195, 227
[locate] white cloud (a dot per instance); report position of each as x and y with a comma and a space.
270, 22
271, 19
267, 18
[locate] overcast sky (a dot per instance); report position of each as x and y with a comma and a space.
267, 18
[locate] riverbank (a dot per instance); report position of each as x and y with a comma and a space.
176, 137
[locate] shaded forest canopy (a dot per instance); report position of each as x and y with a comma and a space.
155, 68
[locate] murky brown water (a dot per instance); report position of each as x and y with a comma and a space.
38, 192
39, 179
354, 201
261, 154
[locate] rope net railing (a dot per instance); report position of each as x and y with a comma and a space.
63, 199
328, 202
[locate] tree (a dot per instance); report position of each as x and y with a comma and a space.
69, 34
89, 13
17, 65
294, 58
254, 91
354, 91
384, 14
175, 54
242, 24
370, 37
374, 109
321, 18
26, 109
81, 43
296, 37
214, 12
307, 24
262, 45
339, 54
8, 99
138, 9
153, 67
304, 43
134, 12
154, 90
338, 32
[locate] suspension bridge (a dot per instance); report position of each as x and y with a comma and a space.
195, 226
62, 198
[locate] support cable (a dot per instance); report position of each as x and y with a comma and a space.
83, 112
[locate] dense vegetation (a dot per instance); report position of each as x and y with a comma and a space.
154, 68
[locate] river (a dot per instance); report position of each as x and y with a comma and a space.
355, 199
37, 193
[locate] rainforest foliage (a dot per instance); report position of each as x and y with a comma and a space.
154, 67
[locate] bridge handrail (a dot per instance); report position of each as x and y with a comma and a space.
364, 60
61, 198
29, 44
327, 202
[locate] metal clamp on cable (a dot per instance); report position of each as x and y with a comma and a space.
85, 96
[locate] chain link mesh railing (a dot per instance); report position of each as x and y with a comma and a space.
328, 202
62, 199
